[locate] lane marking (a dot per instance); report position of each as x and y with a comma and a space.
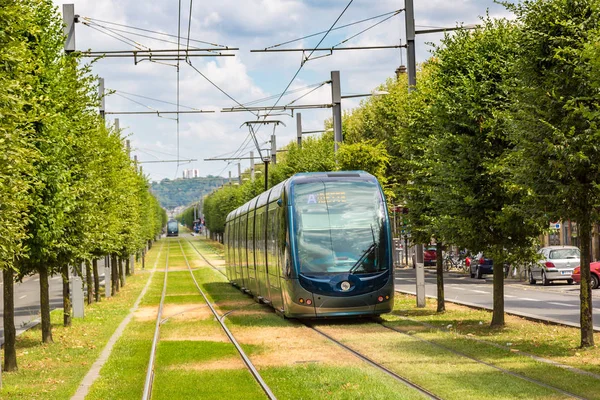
36, 280
562, 304
509, 296
22, 297
528, 299
458, 288
479, 291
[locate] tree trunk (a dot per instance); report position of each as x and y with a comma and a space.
10, 332
45, 305
439, 262
143, 258
121, 274
498, 312
66, 296
114, 274
585, 294
96, 280
89, 282
127, 267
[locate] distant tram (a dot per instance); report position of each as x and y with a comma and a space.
316, 245
173, 228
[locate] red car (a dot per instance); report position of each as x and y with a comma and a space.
595, 270
429, 256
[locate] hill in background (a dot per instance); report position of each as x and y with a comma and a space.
181, 192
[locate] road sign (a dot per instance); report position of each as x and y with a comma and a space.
555, 225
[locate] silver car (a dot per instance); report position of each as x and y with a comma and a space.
557, 264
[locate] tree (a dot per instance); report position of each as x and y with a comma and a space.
475, 203
16, 158
555, 121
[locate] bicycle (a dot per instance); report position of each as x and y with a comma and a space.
452, 261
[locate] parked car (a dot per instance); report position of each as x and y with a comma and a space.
594, 269
480, 265
430, 256
557, 264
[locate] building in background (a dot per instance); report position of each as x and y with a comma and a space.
191, 173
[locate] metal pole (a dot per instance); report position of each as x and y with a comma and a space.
266, 173
273, 149
102, 108
409, 13
299, 129
239, 173
229, 178
252, 165
336, 101
69, 27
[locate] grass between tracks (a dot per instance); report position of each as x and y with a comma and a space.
195, 360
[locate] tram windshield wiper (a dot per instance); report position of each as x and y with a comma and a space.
366, 254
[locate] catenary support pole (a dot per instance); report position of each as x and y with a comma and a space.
266, 173
240, 173
409, 14
273, 149
299, 129
336, 101
69, 27
102, 108
251, 165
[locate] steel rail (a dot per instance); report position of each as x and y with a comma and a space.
235, 343
150, 370
460, 353
205, 259
376, 365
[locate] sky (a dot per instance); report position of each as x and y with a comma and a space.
248, 76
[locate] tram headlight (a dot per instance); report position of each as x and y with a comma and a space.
301, 300
380, 299
308, 302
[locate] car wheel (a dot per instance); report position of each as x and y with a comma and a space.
478, 273
545, 280
531, 280
569, 281
594, 282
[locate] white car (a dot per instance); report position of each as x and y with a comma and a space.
557, 264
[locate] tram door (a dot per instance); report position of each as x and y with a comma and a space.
272, 257
243, 251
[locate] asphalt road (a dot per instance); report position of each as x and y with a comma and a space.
27, 300
558, 302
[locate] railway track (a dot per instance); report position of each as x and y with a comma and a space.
375, 364
479, 361
147, 393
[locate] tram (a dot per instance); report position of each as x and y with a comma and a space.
173, 228
316, 245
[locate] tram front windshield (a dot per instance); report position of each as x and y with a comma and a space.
340, 227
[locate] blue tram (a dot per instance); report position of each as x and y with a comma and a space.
316, 245
173, 228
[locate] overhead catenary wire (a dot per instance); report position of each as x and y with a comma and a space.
115, 37
339, 27
151, 31
302, 64
366, 29
138, 34
151, 98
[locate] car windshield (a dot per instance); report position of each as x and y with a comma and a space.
340, 227
563, 254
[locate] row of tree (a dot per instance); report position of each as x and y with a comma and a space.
499, 137
70, 194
